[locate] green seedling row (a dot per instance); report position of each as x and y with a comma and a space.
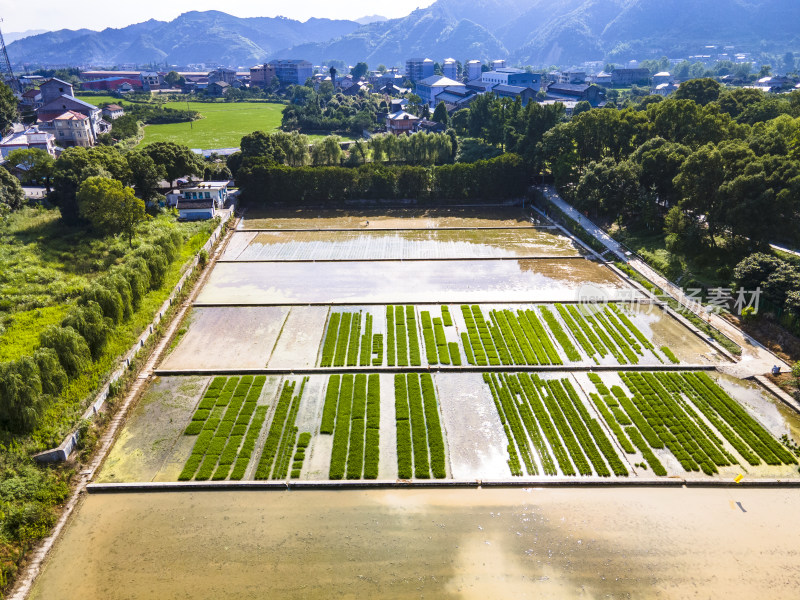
390, 342
405, 465
346, 345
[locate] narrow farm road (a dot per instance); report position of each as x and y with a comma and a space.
756, 359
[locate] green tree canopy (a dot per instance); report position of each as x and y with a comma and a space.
37, 163
702, 91
177, 159
360, 70
8, 107
110, 207
440, 114
11, 194
145, 174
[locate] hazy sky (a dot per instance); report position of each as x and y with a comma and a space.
20, 15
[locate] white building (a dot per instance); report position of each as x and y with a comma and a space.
29, 138
418, 69
662, 77
449, 68
498, 64
473, 70
201, 201
432, 86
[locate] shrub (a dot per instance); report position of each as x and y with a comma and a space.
137, 273
51, 372
108, 299
156, 264
72, 350
88, 320
21, 399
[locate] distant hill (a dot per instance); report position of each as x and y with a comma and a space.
537, 32
370, 19
544, 32
13, 36
193, 37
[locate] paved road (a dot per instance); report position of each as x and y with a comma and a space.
755, 360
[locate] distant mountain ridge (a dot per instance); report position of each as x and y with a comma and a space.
193, 37
537, 32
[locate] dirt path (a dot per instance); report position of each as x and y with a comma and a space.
755, 360
37, 557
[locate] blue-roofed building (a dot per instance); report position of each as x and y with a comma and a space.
516, 77
430, 87
525, 94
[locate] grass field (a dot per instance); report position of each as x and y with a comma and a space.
222, 125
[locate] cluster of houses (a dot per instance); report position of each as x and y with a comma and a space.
61, 120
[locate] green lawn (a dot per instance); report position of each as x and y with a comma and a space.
222, 125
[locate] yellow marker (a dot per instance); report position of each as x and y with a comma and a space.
738, 478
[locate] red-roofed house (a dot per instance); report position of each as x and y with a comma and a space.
73, 129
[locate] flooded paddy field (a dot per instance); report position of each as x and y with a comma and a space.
487, 543
548, 280
292, 337
585, 436
398, 245
431, 218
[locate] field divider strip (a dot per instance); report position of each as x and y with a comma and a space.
382, 229
520, 482
402, 259
470, 301
435, 369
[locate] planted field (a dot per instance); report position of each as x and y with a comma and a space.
551, 336
282, 448
402, 337
438, 349
349, 341
351, 414
549, 429
224, 419
690, 416
420, 441
228, 424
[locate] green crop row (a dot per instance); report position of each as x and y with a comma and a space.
213, 433
594, 325
597, 434
352, 343
342, 340
329, 408
282, 434
535, 390
341, 434
358, 413
446, 316
687, 442
377, 349
329, 346
405, 463
400, 336
738, 419
345, 344
372, 442
390, 343
645, 450
365, 356
579, 442
442, 348
289, 438
356, 425
561, 337
413, 337
512, 424
670, 355
476, 355
420, 441
613, 424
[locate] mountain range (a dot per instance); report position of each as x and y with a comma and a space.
537, 32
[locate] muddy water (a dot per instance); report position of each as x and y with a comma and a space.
387, 219
232, 337
407, 282
399, 245
534, 543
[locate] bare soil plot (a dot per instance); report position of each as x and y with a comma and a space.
398, 245
150, 446
408, 282
355, 218
228, 337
